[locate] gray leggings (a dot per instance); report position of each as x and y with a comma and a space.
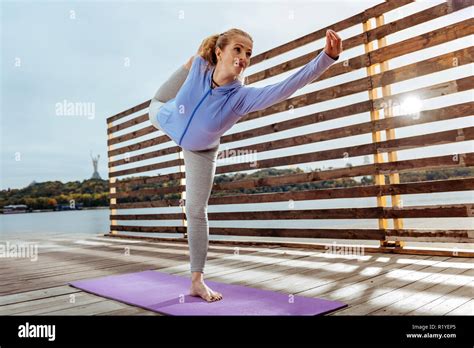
200, 169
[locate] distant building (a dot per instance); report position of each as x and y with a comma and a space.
16, 208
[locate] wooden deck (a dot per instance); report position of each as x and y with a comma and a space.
372, 284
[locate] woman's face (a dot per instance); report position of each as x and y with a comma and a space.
235, 57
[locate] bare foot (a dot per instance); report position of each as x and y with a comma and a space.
200, 289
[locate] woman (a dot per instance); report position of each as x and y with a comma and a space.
200, 102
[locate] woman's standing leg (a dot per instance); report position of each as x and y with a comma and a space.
200, 170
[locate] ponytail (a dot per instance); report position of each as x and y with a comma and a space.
208, 49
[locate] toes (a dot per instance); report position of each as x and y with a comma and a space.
217, 296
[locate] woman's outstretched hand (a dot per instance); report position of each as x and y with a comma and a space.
333, 44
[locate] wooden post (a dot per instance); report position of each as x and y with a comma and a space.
390, 134
112, 190
182, 181
374, 116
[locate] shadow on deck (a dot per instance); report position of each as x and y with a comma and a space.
371, 284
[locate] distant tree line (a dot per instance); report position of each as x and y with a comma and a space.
95, 192
49, 194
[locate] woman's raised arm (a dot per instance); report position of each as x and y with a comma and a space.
249, 99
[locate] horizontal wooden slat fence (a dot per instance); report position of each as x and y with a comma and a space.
161, 183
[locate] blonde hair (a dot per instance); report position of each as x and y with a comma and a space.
207, 50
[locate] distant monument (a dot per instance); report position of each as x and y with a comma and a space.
95, 160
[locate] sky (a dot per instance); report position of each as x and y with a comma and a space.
108, 56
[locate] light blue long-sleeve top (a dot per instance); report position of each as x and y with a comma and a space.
199, 115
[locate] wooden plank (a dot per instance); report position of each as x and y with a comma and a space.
134, 217
149, 192
93, 308
353, 288
132, 135
239, 262
437, 211
401, 287
148, 168
465, 309
35, 307
127, 112
150, 229
334, 273
439, 288
141, 145
449, 302
37, 295
129, 311
369, 234
151, 204
338, 233
127, 124
350, 192
126, 183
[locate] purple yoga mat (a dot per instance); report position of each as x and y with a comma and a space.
169, 294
